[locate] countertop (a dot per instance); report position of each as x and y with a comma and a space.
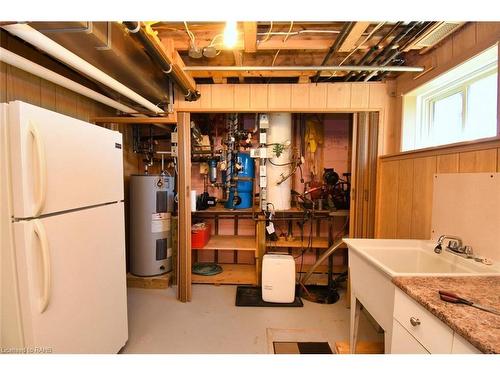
480, 328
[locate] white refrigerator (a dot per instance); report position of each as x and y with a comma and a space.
63, 276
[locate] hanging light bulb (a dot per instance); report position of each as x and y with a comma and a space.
230, 34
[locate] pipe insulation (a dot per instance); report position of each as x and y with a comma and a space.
279, 132
20, 62
44, 43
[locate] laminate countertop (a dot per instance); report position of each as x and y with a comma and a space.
480, 328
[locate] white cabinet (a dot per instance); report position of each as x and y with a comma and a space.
462, 346
416, 331
403, 342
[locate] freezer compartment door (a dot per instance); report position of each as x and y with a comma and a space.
72, 281
60, 163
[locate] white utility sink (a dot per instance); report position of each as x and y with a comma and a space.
374, 262
416, 257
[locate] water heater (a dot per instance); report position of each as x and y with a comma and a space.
151, 204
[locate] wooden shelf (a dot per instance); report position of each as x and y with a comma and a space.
317, 243
232, 274
246, 243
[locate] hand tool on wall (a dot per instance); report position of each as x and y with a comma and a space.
453, 298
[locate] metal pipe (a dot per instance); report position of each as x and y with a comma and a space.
336, 45
321, 259
20, 62
388, 48
412, 37
389, 59
157, 56
357, 68
37, 39
373, 49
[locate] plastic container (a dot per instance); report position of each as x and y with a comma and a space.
200, 234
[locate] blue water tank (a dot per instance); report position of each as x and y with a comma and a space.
244, 188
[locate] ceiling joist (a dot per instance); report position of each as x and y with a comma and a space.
250, 36
354, 35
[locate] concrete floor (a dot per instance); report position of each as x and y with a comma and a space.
211, 323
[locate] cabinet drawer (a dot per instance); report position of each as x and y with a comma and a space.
433, 334
403, 342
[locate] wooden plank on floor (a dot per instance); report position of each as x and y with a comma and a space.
363, 347
154, 282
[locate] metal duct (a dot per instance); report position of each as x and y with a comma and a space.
37, 39
20, 62
106, 46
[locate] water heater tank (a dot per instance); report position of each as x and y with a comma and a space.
151, 204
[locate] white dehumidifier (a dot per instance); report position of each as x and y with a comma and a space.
278, 278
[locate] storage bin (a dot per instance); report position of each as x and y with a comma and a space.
200, 234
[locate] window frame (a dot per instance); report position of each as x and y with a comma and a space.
426, 102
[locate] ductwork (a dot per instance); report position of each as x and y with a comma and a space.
37, 39
20, 62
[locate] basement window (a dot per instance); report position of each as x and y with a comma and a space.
460, 105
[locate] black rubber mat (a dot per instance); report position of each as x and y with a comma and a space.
252, 296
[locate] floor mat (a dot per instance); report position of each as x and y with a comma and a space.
252, 297
302, 348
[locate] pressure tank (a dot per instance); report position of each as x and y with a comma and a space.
279, 132
244, 185
151, 204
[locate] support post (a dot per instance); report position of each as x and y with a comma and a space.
184, 212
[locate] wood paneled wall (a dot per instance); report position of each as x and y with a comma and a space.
405, 182
468, 41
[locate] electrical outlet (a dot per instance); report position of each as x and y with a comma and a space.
174, 138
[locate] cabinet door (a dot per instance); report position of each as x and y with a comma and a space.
72, 280
55, 157
403, 342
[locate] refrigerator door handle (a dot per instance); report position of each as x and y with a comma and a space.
46, 271
42, 169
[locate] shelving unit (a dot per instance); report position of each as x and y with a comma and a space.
234, 273
231, 274
244, 243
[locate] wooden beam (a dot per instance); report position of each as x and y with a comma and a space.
171, 119
356, 32
250, 36
184, 193
238, 61
172, 57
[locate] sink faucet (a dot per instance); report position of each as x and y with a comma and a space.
455, 245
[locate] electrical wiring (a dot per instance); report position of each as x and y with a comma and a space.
284, 40
189, 33
267, 35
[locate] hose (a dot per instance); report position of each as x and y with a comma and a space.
321, 259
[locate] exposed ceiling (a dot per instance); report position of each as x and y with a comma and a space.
300, 44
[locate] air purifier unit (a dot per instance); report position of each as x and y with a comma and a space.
278, 278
